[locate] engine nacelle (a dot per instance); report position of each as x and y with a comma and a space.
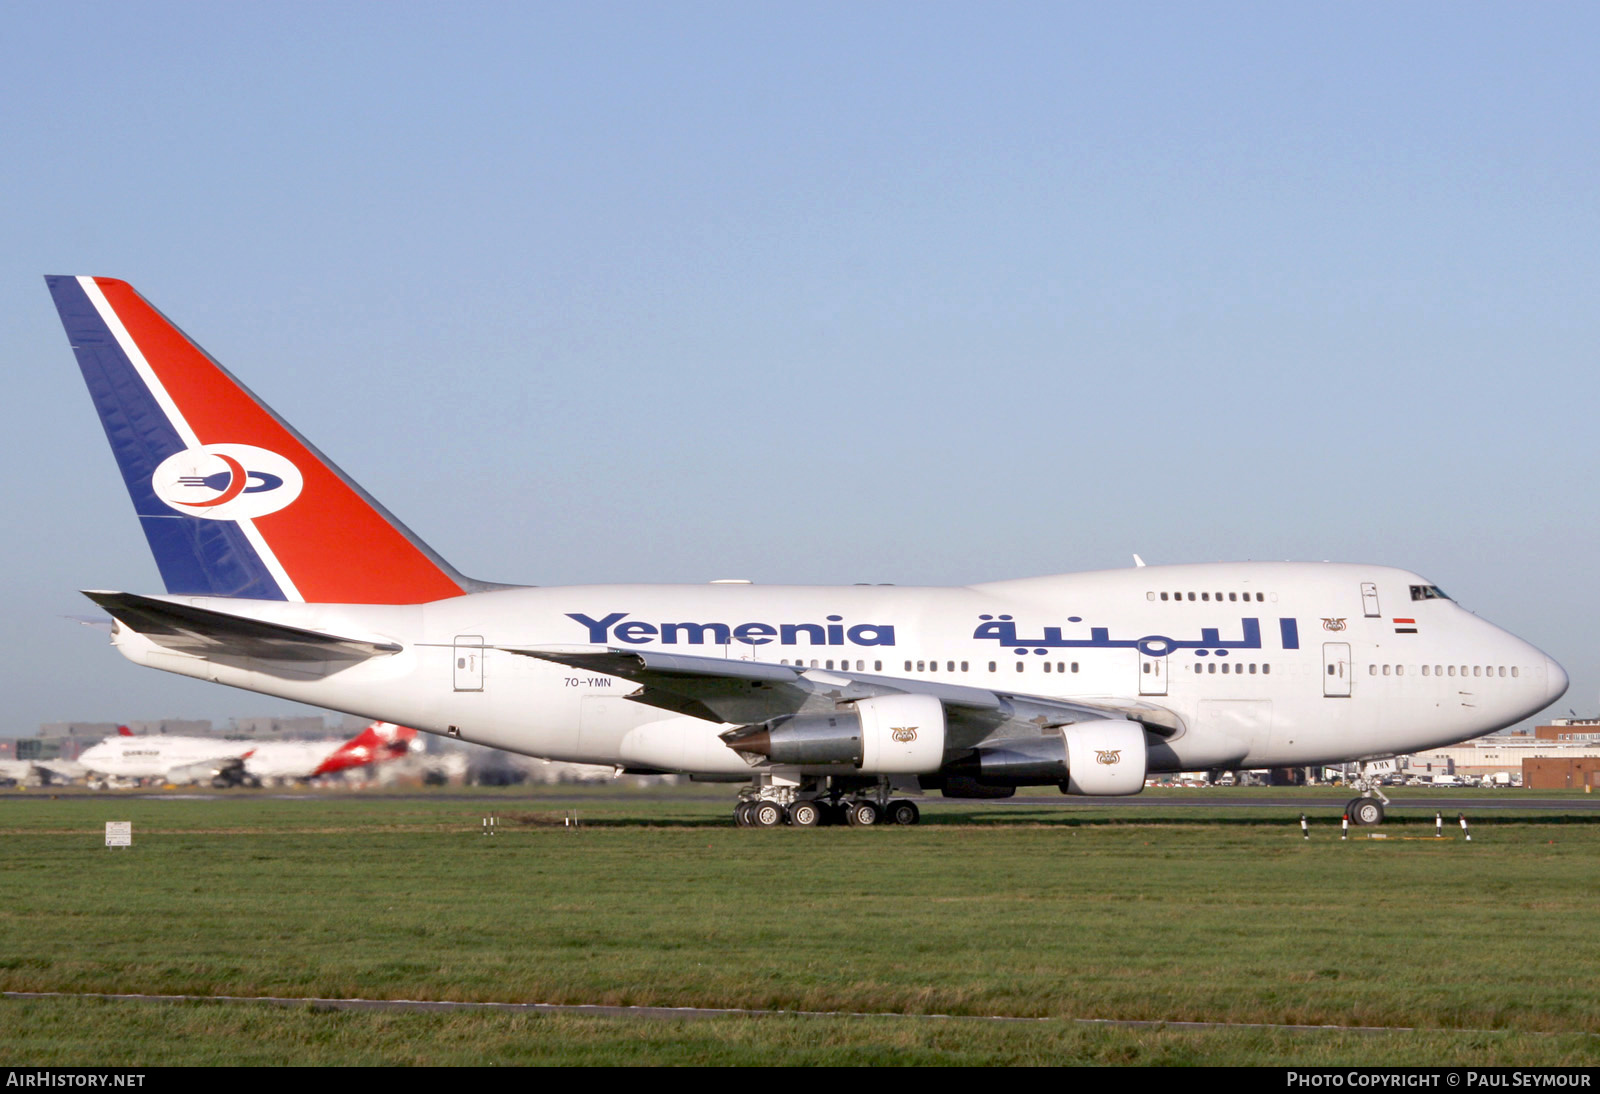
901, 734
965, 786
884, 735
1104, 757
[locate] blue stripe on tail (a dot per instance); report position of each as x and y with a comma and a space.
196, 557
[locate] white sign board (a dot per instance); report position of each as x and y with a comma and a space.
119, 833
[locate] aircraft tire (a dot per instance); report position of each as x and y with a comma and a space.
1367, 812
903, 812
764, 814
861, 814
805, 814
741, 815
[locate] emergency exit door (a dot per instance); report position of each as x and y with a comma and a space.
469, 662
1336, 670
1152, 675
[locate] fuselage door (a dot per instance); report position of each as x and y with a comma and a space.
1369, 600
1336, 670
1152, 675
469, 662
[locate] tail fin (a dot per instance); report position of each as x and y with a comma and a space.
379, 742
233, 501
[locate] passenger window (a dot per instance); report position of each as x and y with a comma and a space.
1513, 670
1074, 666
1266, 668
1163, 596
1386, 670
877, 666
1191, 596
1019, 666
1047, 666
991, 666
963, 666
1205, 596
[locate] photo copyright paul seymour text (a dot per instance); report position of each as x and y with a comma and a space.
1437, 1079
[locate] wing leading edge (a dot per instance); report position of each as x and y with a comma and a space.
750, 692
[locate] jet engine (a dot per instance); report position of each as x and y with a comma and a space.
1097, 757
883, 735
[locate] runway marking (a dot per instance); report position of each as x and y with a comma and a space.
691, 1013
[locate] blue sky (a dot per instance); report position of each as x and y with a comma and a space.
923, 293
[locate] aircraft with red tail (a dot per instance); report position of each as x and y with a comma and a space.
283, 576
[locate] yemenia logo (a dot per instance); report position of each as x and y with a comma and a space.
226, 482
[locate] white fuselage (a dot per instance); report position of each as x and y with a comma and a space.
154, 757
1259, 664
158, 757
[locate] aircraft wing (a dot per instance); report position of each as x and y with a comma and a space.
206, 633
747, 692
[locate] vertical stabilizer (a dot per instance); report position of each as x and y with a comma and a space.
233, 501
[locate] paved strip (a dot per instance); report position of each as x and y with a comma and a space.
693, 1013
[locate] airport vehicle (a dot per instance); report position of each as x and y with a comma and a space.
222, 762
831, 702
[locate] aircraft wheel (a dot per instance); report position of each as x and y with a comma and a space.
1367, 812
904, 812
805, 814
766, 814
861, 814
741, 815
219, 783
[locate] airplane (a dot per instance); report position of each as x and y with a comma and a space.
40, 772
223, 762
832, 704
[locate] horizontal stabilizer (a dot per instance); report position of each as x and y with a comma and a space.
206, 633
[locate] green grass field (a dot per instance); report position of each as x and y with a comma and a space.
1488, 949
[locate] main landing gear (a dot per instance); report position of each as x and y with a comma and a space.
1367, 810
814, 802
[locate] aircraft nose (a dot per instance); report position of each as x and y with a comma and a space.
1555, 681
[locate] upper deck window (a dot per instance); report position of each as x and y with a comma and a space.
1427, 592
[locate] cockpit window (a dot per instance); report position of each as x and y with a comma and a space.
1427, 592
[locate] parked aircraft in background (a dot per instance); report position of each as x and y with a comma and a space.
222, 762
284, 577
40, 772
